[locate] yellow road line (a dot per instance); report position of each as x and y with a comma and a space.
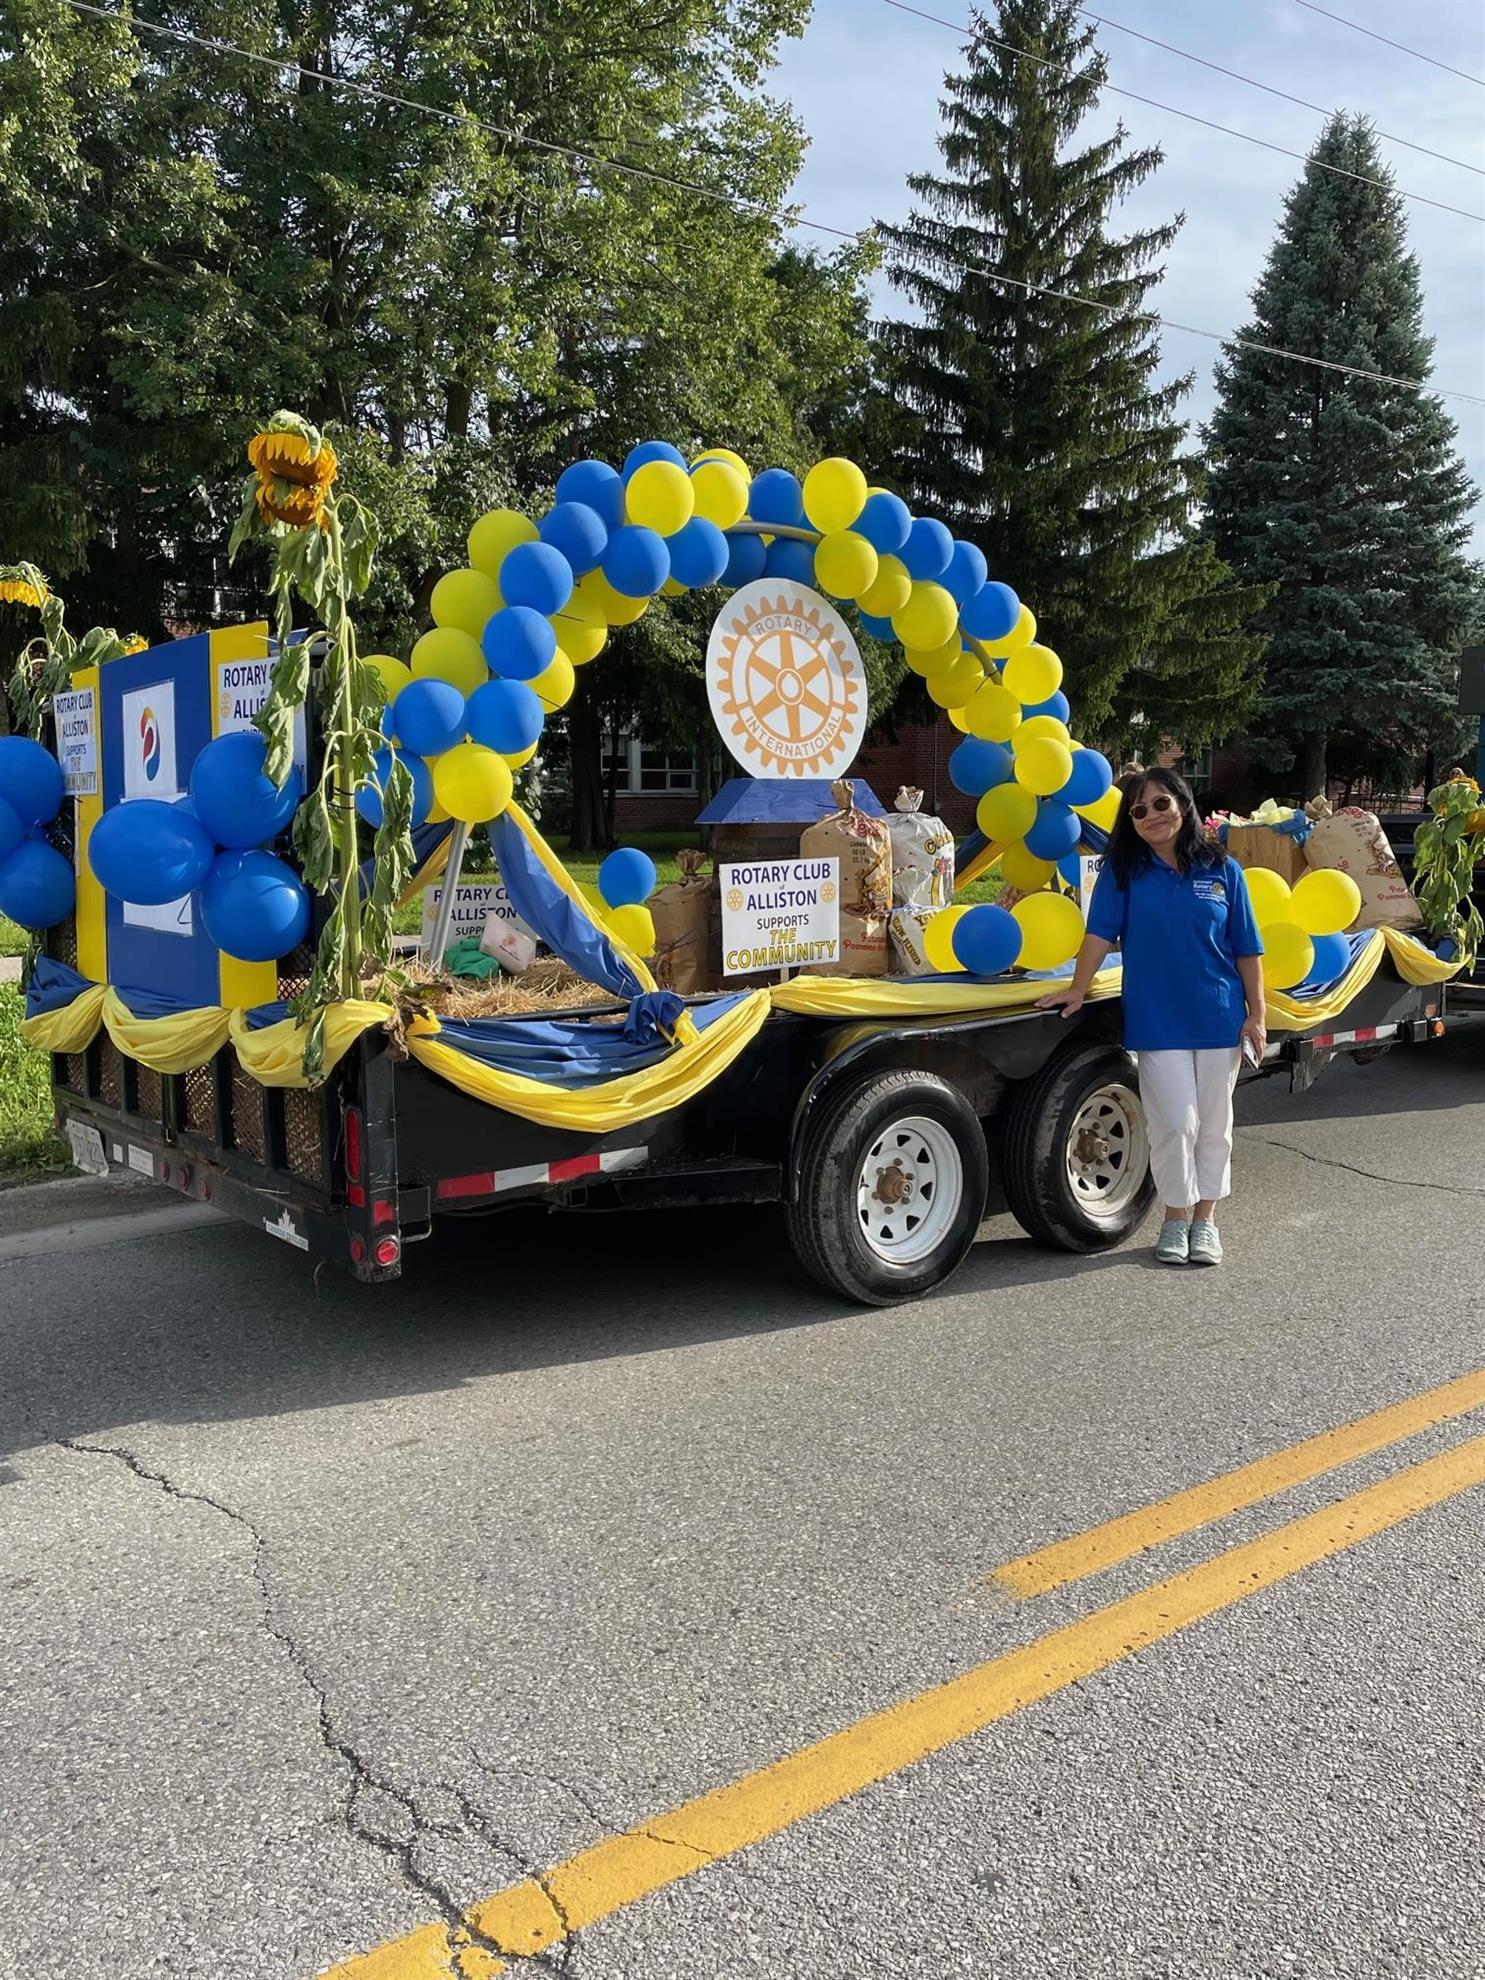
1135, 1532
531, 1916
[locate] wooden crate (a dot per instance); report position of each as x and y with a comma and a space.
1261, 845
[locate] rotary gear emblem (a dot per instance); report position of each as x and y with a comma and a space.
785, 682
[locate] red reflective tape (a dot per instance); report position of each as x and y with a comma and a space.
1366, 1035
454, 1186
579, 1165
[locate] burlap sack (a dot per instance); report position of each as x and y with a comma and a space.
1352, 841
864, 848
682, 914
922, 854
1261, 845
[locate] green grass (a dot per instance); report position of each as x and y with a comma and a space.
13, 940
28, 1148
661, 846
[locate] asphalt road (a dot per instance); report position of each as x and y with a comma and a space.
330, 1613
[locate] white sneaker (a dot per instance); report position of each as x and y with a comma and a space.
1204, 1246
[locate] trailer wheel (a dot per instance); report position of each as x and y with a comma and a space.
891, 1187
1076, 1153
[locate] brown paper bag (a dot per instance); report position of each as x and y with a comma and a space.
863, 846
682, 914
1261, 845
1352, 841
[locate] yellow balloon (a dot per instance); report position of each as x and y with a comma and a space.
721, 491
660, 496
1024, 871
581, 627
472, 783
938, 941
1288, 954
1023, 632
994, 715
956, 685
1269, 894
956, 716
1052, 929
1105, 812
834, 495
465, 600
1033, 674
615, 607
1044, 766
395, 674
1006, 813
1326, 902
890, 589
1042, 725
446, 654
495, 535
928, 618
635, 927
553, 687
937, 660
725, 454
845, 564
522, 757
437, 815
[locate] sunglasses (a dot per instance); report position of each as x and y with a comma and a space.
1138, 811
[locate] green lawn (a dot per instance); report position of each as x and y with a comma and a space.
28, 1148
13, 940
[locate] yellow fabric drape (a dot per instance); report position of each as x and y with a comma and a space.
1289, 1013
274, 1053
173, 1044
888, 996
1414, 962
618, 1102
72, 1028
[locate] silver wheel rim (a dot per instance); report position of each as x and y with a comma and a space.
909, 1189
1108, 1153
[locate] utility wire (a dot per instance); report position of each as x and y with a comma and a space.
1208, 123
1401, 46
749, 208
1270, 89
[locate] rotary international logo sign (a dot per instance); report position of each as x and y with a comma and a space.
785, 682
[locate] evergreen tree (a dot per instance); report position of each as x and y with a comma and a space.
1345, 495
1032, 422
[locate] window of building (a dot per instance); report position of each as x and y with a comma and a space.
644, 770
1196, 767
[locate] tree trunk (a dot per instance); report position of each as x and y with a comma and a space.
590, 831
1312, 766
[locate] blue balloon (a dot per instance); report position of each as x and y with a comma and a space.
37, 889
428, 717
790, 560
627, 878
699, 553
1055, 831
12, 831
1056, 705
882, 629
149, 852
254, 906
505, 716
929, 547
369, 797
644, 453
1092, 776
746, 555
977, 767
884, 522
234, 799
597, 486
518, 644
388, 726
776, 497
1332, 960
987, 940
991, 613
537, 576
967, 571
1071, 869
30, 780
636, 561
575, 532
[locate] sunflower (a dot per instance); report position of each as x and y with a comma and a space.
287, 448
290, 501
132, 643
17, 589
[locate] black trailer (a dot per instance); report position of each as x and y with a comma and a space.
885, 1140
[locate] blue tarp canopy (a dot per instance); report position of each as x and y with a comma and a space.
782, 801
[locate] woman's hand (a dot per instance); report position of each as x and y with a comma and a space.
1069, 1001
1254, 1038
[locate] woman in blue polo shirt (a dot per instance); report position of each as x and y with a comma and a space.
1193, 996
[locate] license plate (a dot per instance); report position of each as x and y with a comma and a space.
87, 1148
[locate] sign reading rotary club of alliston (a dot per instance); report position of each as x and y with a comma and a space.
785, 681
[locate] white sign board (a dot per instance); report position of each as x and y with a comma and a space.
1090, 865
241, 690
77, 741
779, 913
473, 905
785, 682
151, 770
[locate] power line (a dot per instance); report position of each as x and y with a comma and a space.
750, 208
1208, 123
1401, 46
1271, 89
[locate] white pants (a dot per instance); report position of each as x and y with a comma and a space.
1188, 1110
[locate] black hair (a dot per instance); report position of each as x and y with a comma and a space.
1127, 851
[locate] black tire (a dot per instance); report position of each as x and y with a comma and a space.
1038, 1129
824, 1216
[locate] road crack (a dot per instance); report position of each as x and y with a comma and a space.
1368, 1175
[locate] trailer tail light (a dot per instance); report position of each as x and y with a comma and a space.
358, 1248
383, 1211
354, 1157
388, 1250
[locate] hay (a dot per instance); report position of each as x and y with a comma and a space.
545, 989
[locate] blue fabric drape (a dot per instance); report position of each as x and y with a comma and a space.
565, 1054
53, 987
549, 914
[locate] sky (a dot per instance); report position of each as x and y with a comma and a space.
866, 80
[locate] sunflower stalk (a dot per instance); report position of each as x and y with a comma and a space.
1447, 847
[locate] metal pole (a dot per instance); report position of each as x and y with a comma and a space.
1480, 754
438, 940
